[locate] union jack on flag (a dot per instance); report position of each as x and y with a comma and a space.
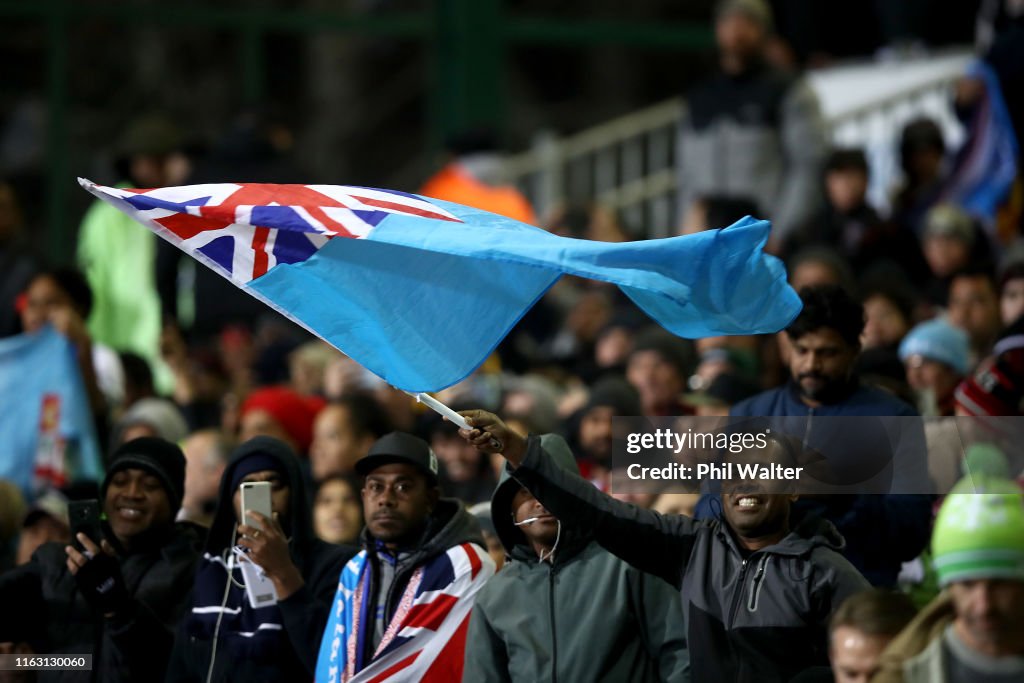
425, 639
414, 266
228, 223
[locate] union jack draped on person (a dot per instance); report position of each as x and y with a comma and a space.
425, 640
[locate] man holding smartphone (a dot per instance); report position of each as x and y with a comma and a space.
117, 594
227, 638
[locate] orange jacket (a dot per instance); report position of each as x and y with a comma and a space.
451, 184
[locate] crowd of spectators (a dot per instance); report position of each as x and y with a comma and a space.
194, 388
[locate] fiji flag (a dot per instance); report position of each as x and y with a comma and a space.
420, 291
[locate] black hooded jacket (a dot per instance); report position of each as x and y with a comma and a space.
277, 643
744, 611
40, 603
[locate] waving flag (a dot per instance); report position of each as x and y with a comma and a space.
420, 291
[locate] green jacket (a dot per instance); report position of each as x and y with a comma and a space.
118, 257
588, 616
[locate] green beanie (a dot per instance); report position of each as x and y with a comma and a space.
979, 533
985, 458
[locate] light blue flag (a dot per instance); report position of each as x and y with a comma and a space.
46, 428
424, 290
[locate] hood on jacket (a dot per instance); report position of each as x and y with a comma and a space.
299, 520
810, 532
501, 502
449, 525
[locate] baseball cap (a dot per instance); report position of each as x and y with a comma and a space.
399, 447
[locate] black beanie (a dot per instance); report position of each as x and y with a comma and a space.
162, 459
615, 392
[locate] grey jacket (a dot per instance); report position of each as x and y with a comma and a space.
586, 616
757, 136
743, 613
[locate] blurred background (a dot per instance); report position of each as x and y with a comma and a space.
367, 91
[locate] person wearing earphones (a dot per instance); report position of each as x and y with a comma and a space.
224, 638
755, 592
565, 609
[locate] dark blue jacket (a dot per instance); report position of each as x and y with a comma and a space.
881, 531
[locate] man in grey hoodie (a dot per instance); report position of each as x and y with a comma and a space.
756, 594
562, 595
752, 131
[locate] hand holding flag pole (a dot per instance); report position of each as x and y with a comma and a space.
442, 409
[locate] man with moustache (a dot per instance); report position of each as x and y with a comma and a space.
881, 531
756, 593
402, 606
973, 631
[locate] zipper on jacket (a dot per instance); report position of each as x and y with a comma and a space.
554, 638
755, 587
807, 429
739, 594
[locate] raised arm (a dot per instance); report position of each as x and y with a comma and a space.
656, 544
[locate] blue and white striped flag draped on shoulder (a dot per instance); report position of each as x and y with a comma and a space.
422, 290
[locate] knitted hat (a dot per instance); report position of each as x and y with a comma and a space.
996, 388
985, 459
162, 459
293, 411
160, 415
615, 392
726, 389
949, 220
979, 532
939, 341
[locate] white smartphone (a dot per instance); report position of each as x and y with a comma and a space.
259, 588
256, 498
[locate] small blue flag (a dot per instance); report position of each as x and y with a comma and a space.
45, 421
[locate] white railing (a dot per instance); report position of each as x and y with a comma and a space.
628, 163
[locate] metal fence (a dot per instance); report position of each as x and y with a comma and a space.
628, 164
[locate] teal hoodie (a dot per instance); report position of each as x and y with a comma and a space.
586, 616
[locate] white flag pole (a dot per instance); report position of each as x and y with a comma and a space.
442, 409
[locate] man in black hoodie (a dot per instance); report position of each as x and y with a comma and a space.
756, 594
121, 598
225, 638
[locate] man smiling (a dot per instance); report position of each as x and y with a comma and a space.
751, 586
564, 584
118, 597
881, 531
